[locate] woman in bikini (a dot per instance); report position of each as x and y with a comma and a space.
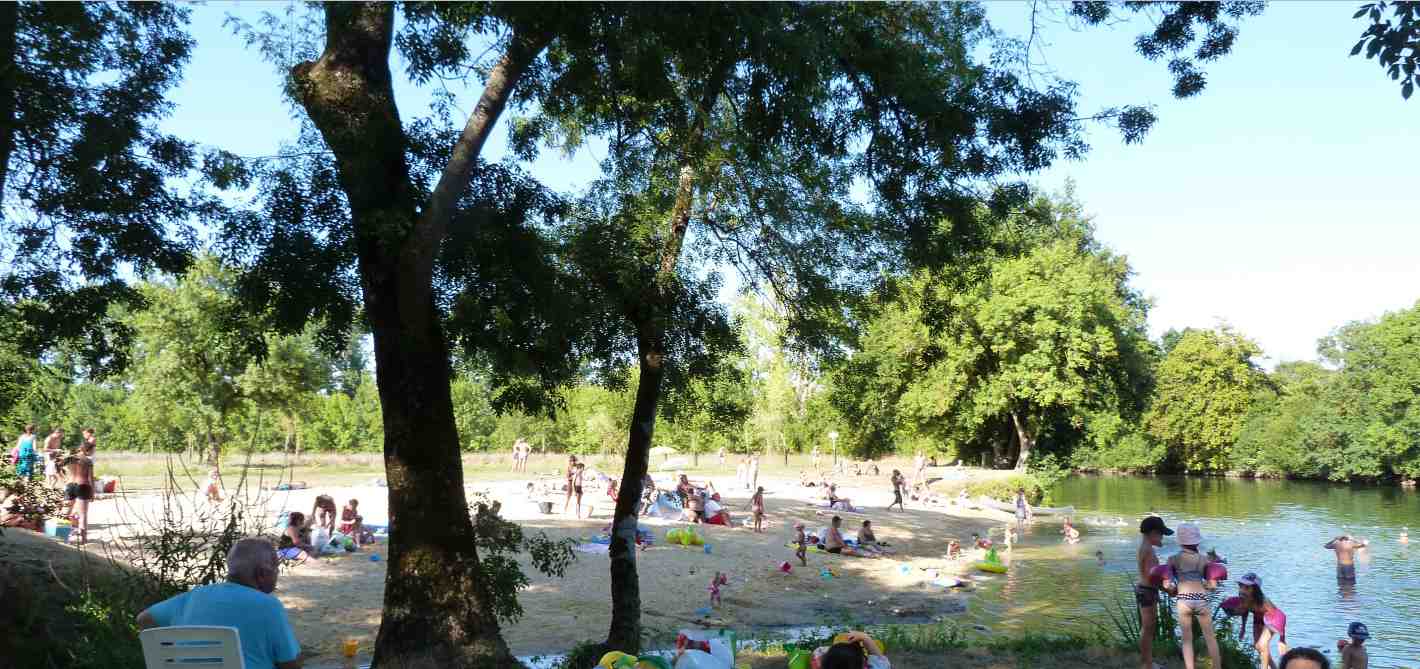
1190, 590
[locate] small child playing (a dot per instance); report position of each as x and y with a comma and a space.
715, 585
1353, 650
351, 523
213, 488
756, 504
801, 542
953, 549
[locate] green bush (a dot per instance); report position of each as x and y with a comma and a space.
1004, 490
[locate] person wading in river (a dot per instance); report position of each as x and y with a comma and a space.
1345, 548
1146, 595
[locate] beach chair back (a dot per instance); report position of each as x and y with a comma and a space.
192, 647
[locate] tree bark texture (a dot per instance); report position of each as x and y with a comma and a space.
1026, 441
436, 608
9, 73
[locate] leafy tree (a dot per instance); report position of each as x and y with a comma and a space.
1376, 396
92, 189
1055, 334
1393, 42
735, 141
193, 344
1285, 431
290, 373
1204, 389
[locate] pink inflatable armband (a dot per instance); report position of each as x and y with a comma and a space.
1216, 571
1233, 606
1160, 575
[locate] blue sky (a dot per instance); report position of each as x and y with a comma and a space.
1284, 200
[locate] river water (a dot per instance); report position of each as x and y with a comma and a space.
1275, 528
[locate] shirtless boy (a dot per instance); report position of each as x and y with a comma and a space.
80, 490
1353, 649
1146, 595
1345, 548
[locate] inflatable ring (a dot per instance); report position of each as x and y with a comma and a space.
992, 567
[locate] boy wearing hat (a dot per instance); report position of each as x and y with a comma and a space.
1353, 650
1146, 595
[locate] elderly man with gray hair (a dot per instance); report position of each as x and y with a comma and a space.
243, 602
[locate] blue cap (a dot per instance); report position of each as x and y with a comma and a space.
1358, 631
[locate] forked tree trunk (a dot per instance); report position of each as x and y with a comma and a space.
1026, 441
437, 610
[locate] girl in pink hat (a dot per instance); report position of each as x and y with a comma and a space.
1190, 590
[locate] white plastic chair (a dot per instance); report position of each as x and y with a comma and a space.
191, 647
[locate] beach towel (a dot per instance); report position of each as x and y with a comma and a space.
602, 549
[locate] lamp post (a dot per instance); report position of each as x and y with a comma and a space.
833, 439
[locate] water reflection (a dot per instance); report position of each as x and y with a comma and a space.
1275, 528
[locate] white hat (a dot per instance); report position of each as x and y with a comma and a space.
1188, 535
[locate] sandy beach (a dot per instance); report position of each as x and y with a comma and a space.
340, 596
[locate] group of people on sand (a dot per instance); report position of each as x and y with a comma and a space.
298, 540
1189, 581
71, 469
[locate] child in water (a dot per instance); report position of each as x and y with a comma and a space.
1353, 650
1072, 535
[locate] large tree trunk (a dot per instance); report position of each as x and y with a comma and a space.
437, 610
9, 75
625, 631
1026, 441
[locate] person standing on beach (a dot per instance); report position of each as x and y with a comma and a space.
80, 490
1146, 594
753, 472
919, 470
722, 456
568, 476
813, 457
1345, 548
897, 485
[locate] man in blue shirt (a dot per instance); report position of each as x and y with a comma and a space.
243, 602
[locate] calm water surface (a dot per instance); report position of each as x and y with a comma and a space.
1275, 528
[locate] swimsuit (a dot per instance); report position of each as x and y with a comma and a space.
1346, 572
74, 491
1146, 596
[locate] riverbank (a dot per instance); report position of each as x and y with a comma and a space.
334, 598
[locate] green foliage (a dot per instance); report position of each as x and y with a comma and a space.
1114, 443
1204, 389
499, 542
1387, 40
1004, 489
1050, 336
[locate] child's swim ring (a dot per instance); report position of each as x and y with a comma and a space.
993, 567
1216, 571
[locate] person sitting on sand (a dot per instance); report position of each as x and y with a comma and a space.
805, 481
351, 523
838, 503
953, 549
323, 513
865, 534
695, 506
978, 542
853, 650
833, 542
296, 539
